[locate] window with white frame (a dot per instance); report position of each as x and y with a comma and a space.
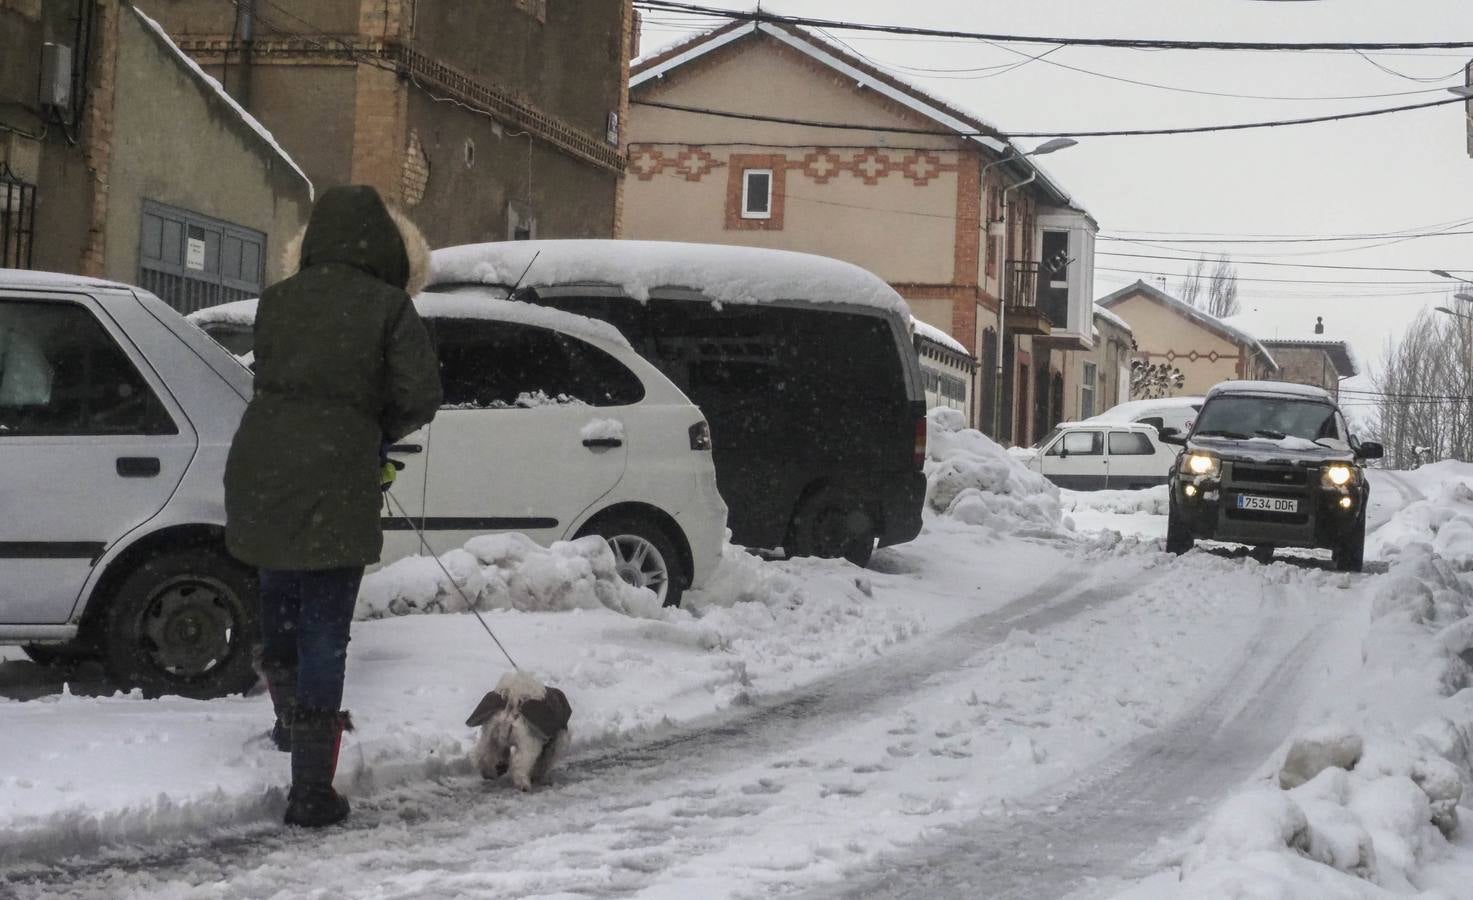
757, 194
1087, 390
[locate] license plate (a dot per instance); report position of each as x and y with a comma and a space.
1268, 504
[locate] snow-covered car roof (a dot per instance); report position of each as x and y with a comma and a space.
1272, 388
29, 278
1130, 410
725, 274
1097, 422
468, 303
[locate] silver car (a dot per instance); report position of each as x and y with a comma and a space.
115, 418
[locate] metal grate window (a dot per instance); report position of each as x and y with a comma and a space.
17, 219
192, 261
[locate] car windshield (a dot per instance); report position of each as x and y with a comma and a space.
1268, 417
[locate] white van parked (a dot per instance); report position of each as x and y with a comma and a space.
1163, 413
1095, 456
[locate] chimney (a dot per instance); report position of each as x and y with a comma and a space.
1319, 324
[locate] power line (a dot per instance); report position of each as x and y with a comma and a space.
1302, 240
1250, 262
1355, 282
1398, 232
1138, 132
1118, 43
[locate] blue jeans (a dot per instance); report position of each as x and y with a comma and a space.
305, 616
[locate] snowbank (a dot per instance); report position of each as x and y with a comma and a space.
969, 477
1369, 794
1152, 501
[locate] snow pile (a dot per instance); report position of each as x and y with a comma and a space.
971, 478
1152, 501
1372, 792
937, 336
1442, 523
725, 274
505, 571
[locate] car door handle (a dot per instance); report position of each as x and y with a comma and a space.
406, 448
139, 466
603, 442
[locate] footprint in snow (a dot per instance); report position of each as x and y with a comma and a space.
763, 786
870, 769
904, 748
841, 790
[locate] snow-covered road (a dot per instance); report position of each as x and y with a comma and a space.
1053, 737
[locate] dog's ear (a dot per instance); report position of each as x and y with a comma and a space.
550, 714
489, 706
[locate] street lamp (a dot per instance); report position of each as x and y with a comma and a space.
1049, 146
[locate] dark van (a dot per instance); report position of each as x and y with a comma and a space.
803, 365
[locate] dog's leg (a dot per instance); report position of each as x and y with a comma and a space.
490, 754
526, 747
542, 772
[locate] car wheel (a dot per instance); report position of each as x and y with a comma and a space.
1350, 554
184, 623
1178, 534
831, 524
644, 556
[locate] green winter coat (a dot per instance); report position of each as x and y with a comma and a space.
343, 364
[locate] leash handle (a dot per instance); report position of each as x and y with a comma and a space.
448, 577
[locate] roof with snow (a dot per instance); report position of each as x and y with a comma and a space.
30, 278
1274, 334
1131, 410
1113, 319
936, 336
863, 74
1210, 322
721, 272
214, 87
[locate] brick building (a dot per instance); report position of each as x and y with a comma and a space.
919, 200
120, 158
486, 119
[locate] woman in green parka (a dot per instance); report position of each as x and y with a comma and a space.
343, 367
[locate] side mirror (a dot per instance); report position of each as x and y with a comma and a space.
1172, 436
1369, 450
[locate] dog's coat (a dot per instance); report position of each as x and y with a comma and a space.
524, 730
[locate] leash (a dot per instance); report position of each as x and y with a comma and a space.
448, 577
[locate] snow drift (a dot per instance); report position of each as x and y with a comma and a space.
972, 479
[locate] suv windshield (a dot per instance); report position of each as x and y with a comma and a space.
1268, 417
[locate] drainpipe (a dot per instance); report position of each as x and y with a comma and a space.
1002, 306
245, 27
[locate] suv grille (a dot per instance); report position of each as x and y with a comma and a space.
1262, 475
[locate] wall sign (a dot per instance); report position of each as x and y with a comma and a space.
194, 255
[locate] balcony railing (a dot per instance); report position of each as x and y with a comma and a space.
1030, 285
1024, 315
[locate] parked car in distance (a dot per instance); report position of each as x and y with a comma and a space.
1271, 464
116, 415
1094, 455
1164, 412
803, 365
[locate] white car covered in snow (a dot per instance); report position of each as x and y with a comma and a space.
1094, 456
116, 415
1163, 413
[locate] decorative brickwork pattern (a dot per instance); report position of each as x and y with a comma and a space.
821, 165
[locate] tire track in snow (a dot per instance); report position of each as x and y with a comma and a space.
594, 784
1093, 827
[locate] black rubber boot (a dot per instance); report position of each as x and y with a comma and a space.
316, 736
281, 684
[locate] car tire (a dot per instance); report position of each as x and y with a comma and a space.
184, 622
63, 656
1178, 534
644, 555
832, 523
1350, 554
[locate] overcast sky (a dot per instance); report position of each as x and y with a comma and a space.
1405, 171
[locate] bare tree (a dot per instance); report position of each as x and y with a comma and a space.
1424, 410
1215, 292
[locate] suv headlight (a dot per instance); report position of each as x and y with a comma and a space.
1199, 464
1338, 475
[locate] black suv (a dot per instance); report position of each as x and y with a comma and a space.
1271, 464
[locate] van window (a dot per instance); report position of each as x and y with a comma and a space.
61, 373
1080, 443
486, 364
1130, 443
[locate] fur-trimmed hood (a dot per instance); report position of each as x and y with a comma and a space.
352, 225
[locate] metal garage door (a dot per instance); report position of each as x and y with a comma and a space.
193, 261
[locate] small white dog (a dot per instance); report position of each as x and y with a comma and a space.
524, 730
